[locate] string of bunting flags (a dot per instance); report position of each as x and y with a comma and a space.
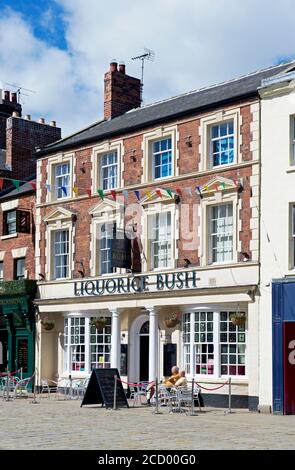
138, 194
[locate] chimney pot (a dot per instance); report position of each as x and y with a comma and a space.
113, 66
28, 117
41, 120
13, 97
122, 67
6, 95
53, 123
15, 114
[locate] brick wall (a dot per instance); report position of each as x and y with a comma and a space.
22, 138
188, 162
21, 240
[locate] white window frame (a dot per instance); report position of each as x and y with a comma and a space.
292, 140
292, 236
206, 124
60, 219
1, 271
155, 221
152, 207
108, 166
57, 257
51, 196
97, 153
66, 363
20, 262
206, 203
165, 132
59, 193
161, 153
106, 212
211, 234
216, 310
215, 139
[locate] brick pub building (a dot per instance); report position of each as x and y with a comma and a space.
189, 166
18, 139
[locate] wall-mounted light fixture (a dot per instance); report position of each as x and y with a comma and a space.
187, 262
133, 156
188, 141
82, 169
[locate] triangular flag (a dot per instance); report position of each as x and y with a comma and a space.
16, 183
75, 190
169, 192
125, 194
113, 193
223, 185
216, 187
137, 194
48, 187
64, 189
159, 192
188, 191
199, 189
100, 193
178, 190
33, 184
148, 194
89, 192
1, 183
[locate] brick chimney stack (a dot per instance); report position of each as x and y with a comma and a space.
121, 92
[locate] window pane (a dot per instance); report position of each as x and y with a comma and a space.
221, 233
204, 363
222, 144
233, 354
162, 158
108, 170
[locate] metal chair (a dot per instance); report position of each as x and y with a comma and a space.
45, 387
138, 391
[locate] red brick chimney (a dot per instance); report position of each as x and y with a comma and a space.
121, 92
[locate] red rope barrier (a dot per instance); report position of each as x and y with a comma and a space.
10, 373
135, 384
215, 388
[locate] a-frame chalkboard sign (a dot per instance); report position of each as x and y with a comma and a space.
100, 389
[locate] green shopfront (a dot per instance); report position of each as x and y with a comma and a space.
17, 326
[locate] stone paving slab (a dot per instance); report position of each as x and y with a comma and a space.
61, 424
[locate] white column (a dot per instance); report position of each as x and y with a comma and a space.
116, 339
153, 344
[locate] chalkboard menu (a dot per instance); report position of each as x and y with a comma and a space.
100, 389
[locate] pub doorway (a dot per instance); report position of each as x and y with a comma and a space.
144, 352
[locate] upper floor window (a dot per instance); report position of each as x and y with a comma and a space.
292, 237
62, 180
220, 233
16, 221
61, 254
292, 140
109, 171
106, 234
162, 158
160, 240
1, 271
19, 268
222, 144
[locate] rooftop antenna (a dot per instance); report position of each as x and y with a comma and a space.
147, 55
18, 89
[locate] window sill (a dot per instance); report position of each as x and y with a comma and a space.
6, 237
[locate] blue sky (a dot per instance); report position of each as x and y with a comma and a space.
62, 48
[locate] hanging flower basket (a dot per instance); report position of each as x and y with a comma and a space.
238, 319
172, 321
99, 323
47, 324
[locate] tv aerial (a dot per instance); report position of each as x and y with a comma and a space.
18, 89
148, 54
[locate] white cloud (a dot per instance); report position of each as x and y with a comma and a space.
197, 43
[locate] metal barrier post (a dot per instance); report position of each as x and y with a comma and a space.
229, 397
21, 373
157, 412
34, 401
7, 386
71, 387
115, 393
193, 398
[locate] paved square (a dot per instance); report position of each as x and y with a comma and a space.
53, 424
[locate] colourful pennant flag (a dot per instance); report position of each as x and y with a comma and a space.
16, 183
178, 190
199, 190
205, 187
1, 183
159, 192
216, 187
89, 192
223, 185
188, 191
137, 194
76, 190
64, 190
113, 193
125, 194
169, 192
48, 187
148, 194
100, 192
33, 184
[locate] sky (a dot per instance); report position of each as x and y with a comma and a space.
60, 49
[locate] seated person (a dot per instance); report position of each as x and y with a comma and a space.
170, 382
182, 381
